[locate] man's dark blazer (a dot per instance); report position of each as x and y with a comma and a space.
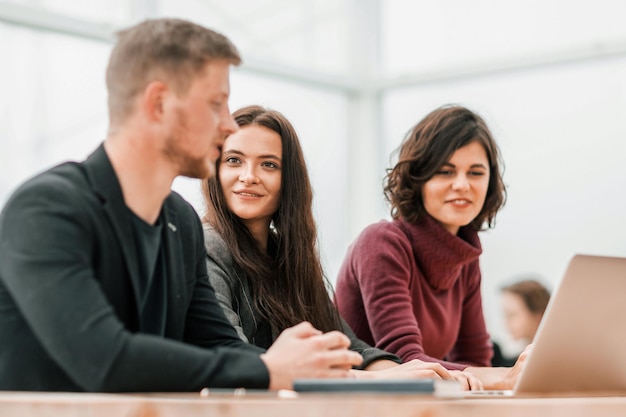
68, 294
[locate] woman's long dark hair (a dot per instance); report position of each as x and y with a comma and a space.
287, 280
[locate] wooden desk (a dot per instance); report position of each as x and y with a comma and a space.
13, 404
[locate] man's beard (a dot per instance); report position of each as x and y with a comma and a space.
187, 166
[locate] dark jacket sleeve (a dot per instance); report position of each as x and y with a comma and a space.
206, 311
48, 248
370, 354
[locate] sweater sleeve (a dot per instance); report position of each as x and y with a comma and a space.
380, 262
222, 284
473, 346
370, 354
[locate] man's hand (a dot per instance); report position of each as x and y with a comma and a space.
302, 351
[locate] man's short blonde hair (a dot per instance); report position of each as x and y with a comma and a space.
171, 50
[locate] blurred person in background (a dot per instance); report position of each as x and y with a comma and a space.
523, 305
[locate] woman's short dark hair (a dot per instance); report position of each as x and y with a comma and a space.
429, 145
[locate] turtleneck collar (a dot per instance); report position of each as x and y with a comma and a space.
439, 254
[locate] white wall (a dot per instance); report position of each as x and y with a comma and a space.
52, 101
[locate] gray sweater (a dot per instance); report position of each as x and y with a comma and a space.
234, 295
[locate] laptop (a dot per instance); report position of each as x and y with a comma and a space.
580, 345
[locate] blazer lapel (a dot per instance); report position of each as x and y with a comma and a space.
105, 183
173, 254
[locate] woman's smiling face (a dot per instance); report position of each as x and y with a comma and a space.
250, 175
455, 195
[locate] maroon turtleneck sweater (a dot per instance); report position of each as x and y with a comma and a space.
414, 290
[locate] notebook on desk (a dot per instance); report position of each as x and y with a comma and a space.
580, 346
